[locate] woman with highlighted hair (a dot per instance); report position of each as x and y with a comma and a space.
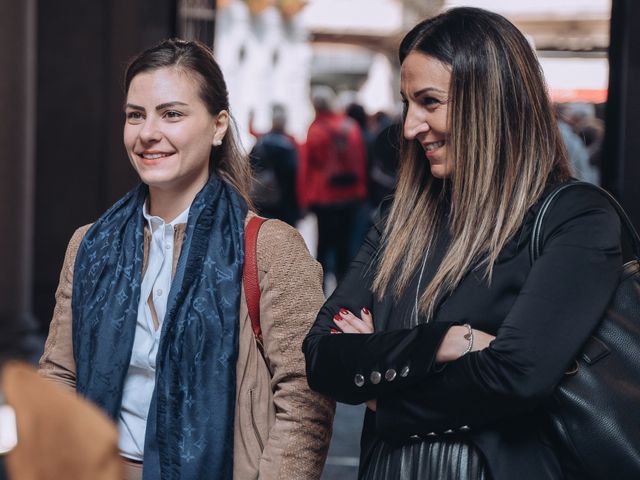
442, 324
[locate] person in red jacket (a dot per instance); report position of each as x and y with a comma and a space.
332, 179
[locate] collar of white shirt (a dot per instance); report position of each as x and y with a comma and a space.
156, 222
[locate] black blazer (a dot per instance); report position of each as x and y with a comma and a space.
541, 314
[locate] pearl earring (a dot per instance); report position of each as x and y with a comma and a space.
217, 143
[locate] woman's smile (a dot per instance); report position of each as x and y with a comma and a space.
153, 157
432, 149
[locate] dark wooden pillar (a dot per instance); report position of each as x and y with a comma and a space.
83, 48
17, 140
621, 170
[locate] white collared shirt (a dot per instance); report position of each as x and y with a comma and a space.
140, 380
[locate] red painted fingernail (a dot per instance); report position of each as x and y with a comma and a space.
333, 330
364, 309
337, 318
344, 311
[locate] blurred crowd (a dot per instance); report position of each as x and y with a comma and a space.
583, 135
348, 164
338, 176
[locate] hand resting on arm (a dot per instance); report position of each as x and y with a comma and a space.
454, 345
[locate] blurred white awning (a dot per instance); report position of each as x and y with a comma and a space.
365, 17
549, 9
576, 79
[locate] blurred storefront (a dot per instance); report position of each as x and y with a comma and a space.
571, 38
271, 51
263, 51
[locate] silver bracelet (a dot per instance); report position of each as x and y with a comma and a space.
468, 336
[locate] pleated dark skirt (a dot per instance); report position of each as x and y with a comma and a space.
452, 459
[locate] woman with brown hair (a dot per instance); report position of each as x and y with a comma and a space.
151, 320
451, 336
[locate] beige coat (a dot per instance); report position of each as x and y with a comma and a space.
282, 428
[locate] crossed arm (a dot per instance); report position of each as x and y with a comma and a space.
561, 302
457, 341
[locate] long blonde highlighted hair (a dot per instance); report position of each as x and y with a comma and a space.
505, 146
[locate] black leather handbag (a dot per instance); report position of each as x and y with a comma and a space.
595, 411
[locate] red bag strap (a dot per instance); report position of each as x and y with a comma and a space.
250, 275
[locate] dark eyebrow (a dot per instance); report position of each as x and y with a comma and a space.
162, 106
133, 107
428, 90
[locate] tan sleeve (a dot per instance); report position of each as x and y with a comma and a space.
57, 361
291, 285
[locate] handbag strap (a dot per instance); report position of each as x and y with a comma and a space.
536, 234
250, 279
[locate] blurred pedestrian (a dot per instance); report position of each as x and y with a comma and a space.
362, 220
592, 134
581, 116
274, 159
333, 179
151, 320
383, 168
358, 114
577, 151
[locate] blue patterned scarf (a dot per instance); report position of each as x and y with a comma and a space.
191, 418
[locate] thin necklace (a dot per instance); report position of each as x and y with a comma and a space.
415, 307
